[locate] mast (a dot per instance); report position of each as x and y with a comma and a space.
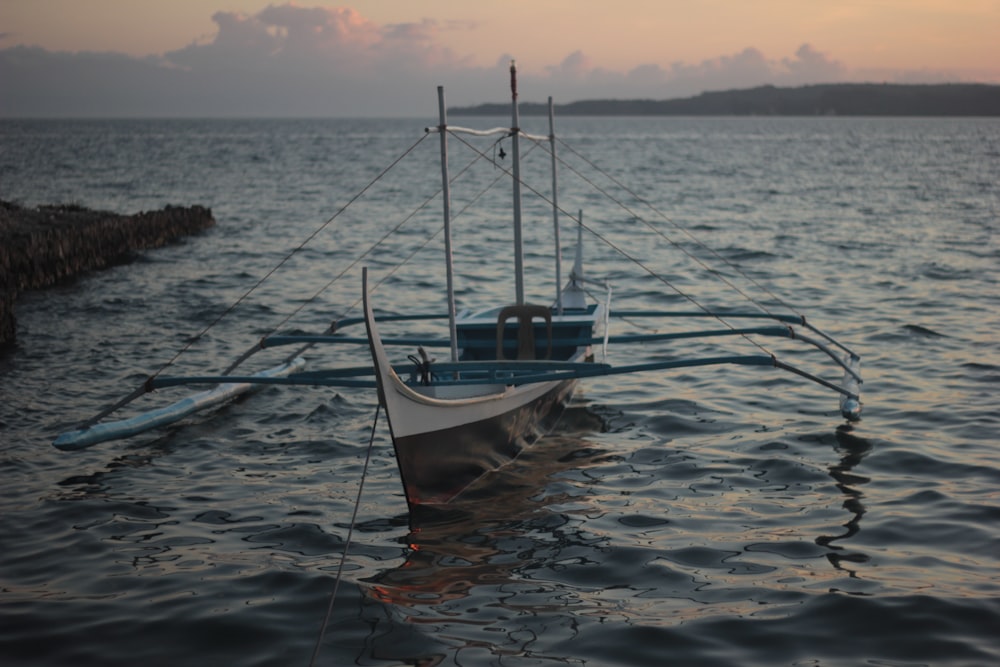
446, 203
555, 206
515, 130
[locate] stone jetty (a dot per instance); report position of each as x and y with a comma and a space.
48, 244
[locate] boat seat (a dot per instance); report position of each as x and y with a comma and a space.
525, 314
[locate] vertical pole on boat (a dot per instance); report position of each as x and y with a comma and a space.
578, 263
577, 273
555, 207
446, 203
515, 130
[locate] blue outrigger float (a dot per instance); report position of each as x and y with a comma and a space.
511, 369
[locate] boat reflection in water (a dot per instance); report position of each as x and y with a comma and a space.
512, 558
853, 450
441, 567
511, 520
482, 536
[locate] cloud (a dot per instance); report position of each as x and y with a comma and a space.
750, 68
577, 77
277, 35
288, 60
576, 66
810, 66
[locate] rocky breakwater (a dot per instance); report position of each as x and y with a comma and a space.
45, 245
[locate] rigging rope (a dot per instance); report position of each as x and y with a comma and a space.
329, 330
455, 216
146, 386
299, 248
700, 244
340, 275
347, 542
679, 228
392, 271
480, 155
632, 258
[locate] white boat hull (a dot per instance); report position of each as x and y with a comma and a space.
438, 464
448, 436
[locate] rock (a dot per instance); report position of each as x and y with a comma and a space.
45, 245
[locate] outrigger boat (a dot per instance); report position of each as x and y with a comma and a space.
512, 368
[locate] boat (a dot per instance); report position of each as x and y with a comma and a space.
512, 366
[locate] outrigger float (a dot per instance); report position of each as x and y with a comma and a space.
512, 367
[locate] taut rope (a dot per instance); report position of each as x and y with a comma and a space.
347, 542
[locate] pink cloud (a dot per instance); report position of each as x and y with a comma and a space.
319, 38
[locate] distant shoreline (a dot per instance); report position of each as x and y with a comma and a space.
847, 99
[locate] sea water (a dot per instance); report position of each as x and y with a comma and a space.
718, 516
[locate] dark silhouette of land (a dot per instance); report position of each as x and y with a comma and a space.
847, 99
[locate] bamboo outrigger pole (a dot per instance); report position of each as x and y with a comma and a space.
515, 130
446, 203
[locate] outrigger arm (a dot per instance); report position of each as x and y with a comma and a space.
482, 372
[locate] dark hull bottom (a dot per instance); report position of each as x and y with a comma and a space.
439, 465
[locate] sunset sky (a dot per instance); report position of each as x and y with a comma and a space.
252, 57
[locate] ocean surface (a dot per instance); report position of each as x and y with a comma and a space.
719, 516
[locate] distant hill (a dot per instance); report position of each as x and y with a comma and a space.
847, 99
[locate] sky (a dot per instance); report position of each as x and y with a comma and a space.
386, 57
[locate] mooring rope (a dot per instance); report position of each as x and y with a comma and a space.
347, 542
